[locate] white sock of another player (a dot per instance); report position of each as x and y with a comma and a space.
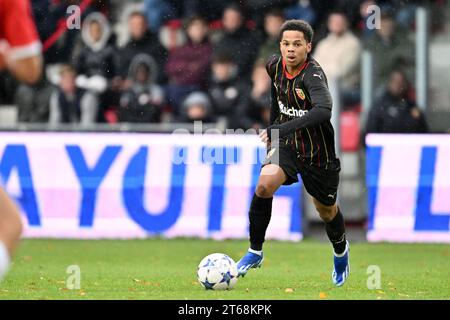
4, 260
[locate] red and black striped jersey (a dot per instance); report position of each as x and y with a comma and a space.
293, 97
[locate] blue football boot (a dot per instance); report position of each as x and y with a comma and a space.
341, 268
250, 260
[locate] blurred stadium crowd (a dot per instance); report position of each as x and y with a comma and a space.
152, 61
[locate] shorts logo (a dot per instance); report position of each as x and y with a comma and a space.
300, 93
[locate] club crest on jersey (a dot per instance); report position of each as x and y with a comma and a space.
300, 93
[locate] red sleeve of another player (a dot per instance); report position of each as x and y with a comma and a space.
19, 28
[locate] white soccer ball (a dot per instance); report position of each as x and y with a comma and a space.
217, 271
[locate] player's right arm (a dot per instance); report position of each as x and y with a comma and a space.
270, 68
274, 108
20, 48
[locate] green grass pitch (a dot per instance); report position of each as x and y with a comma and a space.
166, 269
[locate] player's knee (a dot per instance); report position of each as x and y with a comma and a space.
11, 226
18, 227
326, 213
264, 190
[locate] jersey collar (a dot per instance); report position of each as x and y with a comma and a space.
290, 76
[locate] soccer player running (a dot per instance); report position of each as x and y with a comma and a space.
301, 140
20, 54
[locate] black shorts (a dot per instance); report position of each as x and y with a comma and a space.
319, 182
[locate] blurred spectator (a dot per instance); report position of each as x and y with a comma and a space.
212, 9
365, 15
273, 21
229, 94
96, 64
188, 66
391, 49
160, 11
256, 9
322, 9
394, 111
301, 10
238, 41
69, 103
156, 12
142, 40
47, 14
33, 101
403, 11
351, 8
256, 113
339, 55
144, 101
197, 107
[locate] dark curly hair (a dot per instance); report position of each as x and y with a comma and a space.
298, 25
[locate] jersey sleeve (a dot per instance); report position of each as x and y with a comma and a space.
18, 29
274, 109
271, 65
315, 83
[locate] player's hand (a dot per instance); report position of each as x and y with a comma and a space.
264, 137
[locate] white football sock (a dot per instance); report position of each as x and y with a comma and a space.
343, 253
4, 260
259, 253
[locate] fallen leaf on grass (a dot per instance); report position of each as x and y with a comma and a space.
322, 295
155, 284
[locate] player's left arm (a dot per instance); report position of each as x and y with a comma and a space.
317, 88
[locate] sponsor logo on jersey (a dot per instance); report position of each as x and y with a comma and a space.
300, 93
291, 112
